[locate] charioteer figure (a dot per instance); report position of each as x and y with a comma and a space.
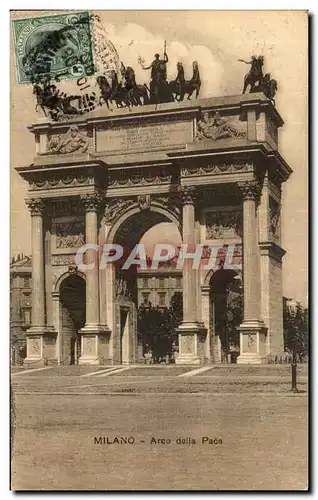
159, 86
158, 68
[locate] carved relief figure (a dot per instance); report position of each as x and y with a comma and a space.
122, 289
62, 260
69, 143
115, 207
216, 127
89, 346
69, 235
34, 347
144, 201
274, 218
225, 224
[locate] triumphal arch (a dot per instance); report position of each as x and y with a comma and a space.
210, 166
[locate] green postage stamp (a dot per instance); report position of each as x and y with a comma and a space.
55, 46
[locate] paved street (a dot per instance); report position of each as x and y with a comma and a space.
241, 428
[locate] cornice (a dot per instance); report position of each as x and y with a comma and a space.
272, 250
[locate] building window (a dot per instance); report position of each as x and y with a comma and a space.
178, 283
27, 316
145, 282
145, 298
162, 299
26, 282
161, 282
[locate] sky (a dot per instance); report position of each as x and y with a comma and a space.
216, 39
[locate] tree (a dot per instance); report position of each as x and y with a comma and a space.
157, 327
295, 321
234, 318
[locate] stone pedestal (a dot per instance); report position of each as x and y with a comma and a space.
188, 345
37, 349
90, 341
252, 343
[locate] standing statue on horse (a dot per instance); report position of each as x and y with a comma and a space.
266, 84
255, 74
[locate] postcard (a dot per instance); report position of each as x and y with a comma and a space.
158, 273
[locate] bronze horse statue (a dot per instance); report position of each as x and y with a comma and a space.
180, 87
129, 94
159, 90
135, 92
106, 91
47, 99
54, 103
268, 86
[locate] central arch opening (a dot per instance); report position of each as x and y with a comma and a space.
144, 296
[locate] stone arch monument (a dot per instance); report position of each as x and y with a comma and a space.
211, 166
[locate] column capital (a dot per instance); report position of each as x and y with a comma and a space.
188, 195
92, 202
35, 206
250, 190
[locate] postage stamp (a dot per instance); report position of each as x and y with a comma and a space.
58, 46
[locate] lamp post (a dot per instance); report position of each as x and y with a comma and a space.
293, 309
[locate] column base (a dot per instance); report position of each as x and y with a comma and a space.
251, 359
252, 343
191, 344
90, 340
187, 360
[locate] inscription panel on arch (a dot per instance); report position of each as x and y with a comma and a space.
145, 136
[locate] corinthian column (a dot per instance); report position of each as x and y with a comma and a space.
252, 330
188, 273
92, 203
93, 330
36, 208
36, 349
191, 343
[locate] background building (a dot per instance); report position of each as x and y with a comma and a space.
20, 304
158, 286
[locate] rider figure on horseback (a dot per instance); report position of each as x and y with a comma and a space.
255, 74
